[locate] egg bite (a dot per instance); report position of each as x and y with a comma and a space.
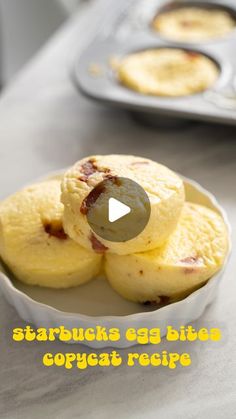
164, 188
34, 245
193, 253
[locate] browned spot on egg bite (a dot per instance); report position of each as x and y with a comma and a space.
149, 303
97, 246
91, 198
55, 229
114, 179
89, 168
163, 299
193, 262
192, 55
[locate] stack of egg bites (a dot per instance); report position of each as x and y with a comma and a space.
45, 238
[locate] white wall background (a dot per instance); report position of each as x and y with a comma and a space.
25, 25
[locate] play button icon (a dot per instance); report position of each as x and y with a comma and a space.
117, 209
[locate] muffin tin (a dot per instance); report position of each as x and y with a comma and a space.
127, 28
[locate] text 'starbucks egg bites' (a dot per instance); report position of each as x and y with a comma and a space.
33, 243
164, 188
194, 252
193, 23
167, 72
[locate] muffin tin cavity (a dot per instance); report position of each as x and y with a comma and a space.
194, 22
167, 71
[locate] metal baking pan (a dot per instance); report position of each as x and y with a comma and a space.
128, 29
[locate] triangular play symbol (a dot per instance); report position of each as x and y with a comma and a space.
117, 210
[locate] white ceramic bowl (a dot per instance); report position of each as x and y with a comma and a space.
96, 304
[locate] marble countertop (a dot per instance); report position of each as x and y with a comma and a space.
46, 125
